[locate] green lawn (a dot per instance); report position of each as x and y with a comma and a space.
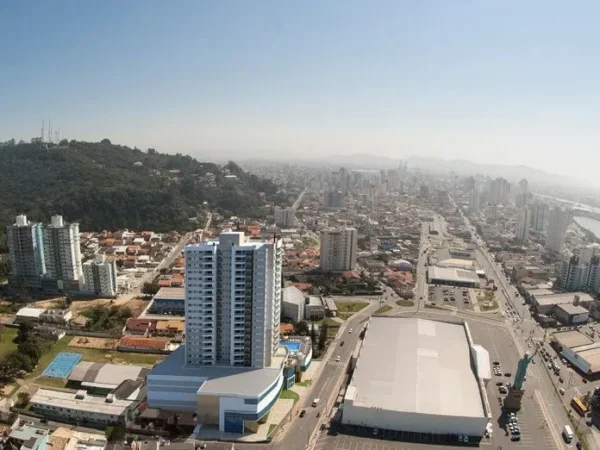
93, 355
405, 303
346, 309
305, 383
6, 340
272, 428
286, 394
383, 309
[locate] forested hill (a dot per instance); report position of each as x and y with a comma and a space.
107, 186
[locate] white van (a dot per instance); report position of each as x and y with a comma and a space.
316, 402
567, 433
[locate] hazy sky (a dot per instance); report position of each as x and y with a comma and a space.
512, 82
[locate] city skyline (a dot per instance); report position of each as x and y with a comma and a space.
502, 84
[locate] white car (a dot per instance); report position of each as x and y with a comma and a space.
350, 331
337, 359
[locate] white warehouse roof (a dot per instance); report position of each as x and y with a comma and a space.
418, 366
482, 362
30, 312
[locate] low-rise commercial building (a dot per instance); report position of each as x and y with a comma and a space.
29, 315
546, 304
314, 309
103, 377
453, 276
169, 301
29, 437
81, 407
292, 304
569, 314
579, 350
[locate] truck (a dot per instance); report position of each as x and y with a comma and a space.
567, 434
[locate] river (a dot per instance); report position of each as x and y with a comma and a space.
592, 225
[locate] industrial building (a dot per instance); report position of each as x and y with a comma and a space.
168, 301
419, 376
569, 314
579, 350
103, 377
545, 304
452, 276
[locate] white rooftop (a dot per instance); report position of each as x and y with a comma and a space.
292, 294
567, 297
67, 400
30, 312
452, 274
416, 365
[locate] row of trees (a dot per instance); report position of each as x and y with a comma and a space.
319, 342
29, 350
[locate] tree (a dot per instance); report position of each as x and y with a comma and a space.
105, 141
24, 332
31, 349
23, 399
323, 336
313, 334
63, 142
150, 288
301, 328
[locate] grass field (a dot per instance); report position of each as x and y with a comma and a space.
6, 340
405, 303
383, 309
346, 309
286, 394
93, 355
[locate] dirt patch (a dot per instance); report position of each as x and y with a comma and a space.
136, 305
78, 306
92, 342
51, 303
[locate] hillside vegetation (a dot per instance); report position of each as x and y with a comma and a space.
106, 186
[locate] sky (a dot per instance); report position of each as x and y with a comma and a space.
508, 82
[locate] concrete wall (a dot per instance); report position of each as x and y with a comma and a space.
208, 409
415, 422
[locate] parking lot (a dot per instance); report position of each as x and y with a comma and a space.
457, 297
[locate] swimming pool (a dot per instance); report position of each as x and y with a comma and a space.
291, 346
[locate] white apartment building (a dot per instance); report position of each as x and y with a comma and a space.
558, 223
285, 217
100, 277
539, 216
338, 249
523, 220
230, 370
62, 253
233, 301
26, 252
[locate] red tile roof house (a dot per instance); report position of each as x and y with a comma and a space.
143, 345
139, 326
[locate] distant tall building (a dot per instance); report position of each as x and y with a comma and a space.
539, 216
233, 301
338, 249
499, 191
475, 200
522, 229
26, 253
522, 194
285, 217
100, 277
62, 253
334, 200
558, 222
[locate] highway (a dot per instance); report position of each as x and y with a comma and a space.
525, 332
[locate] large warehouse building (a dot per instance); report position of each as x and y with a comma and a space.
417, 375
579, 350
453, 276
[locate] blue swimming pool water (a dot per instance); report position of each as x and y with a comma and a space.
291, 346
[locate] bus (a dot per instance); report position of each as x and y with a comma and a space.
579, 406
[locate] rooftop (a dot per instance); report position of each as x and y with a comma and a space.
107, 376
67, 400
567, 297
221, 380
292, 294
425, 368
572, 339
571, 309
169, 293
30, 312
452, 274
591, 354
